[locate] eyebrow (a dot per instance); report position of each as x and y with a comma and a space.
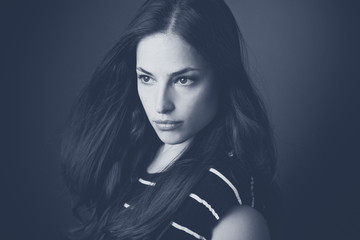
182, 71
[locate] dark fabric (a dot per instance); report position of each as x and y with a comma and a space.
216, 193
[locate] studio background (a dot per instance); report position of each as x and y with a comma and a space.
303, 56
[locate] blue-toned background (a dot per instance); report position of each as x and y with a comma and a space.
304, 58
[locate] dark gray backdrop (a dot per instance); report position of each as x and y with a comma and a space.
303, 57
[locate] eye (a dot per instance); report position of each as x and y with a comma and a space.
184, 81
144, 78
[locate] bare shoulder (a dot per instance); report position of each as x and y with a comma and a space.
242, 222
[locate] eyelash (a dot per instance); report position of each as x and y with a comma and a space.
177, 80
186, 78
141, 78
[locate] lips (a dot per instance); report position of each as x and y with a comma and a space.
167, 125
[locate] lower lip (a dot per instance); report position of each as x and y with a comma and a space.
168, 126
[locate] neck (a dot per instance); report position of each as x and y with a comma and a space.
180, 147
167, 154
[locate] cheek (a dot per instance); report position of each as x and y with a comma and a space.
203, 106
145, 99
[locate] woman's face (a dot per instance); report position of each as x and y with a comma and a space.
176, 87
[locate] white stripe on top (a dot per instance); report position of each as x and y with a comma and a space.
206, 204
252, 192
146, 182
188, 231
217, 173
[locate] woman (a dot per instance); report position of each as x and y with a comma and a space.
169, 140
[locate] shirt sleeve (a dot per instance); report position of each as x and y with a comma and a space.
215, 195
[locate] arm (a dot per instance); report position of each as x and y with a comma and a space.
242, 223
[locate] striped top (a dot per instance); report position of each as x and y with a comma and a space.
210, 200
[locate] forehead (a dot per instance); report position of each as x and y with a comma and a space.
166, 52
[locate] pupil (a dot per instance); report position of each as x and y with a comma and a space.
183, 80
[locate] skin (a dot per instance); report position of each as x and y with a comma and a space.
242, 223
191, 98
174, 83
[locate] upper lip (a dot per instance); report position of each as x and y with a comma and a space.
166, 122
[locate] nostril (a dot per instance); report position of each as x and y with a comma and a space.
164, 103
164, 107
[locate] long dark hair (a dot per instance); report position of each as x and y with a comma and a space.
109, 141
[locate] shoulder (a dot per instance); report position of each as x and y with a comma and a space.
242, 222
226, 187
213, 199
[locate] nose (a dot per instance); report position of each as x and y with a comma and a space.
164, 103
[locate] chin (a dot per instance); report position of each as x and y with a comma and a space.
171, 141
171, 138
